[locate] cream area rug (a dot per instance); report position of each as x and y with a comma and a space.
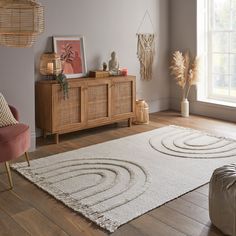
116, 181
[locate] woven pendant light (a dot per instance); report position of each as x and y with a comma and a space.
50, 64
21, 21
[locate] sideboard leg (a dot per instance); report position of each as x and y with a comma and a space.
130, 122
44, 134
56, 138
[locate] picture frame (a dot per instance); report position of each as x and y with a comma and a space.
71, 50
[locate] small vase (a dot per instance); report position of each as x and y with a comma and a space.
185, 108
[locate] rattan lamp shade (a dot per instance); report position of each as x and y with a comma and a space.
21, 21
50, 64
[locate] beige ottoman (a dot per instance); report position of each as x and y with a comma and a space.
222, 199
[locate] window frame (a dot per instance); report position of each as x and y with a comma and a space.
205, 31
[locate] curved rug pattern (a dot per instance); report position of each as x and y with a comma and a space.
104, 185
188, 143
114, 182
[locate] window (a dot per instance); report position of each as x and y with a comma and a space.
217, 47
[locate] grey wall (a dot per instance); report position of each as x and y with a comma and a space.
110, 25
183, 35
17, 83
107, 25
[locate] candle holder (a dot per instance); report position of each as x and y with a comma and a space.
50, 65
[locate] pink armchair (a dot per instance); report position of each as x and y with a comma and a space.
14, 142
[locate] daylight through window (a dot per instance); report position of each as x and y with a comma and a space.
217, 46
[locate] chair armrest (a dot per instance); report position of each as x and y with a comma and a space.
14, 112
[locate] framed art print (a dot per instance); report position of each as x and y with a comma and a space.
72, 53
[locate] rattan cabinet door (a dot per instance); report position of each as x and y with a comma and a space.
68, 114
98, 95
123, 97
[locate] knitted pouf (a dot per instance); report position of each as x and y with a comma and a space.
222, 199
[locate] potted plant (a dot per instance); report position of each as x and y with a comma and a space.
61, 78
51, 66
184, 68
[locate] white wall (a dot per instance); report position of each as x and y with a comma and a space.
17, 83
109, 25
183, 35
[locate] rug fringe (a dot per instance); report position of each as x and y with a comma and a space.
65, 198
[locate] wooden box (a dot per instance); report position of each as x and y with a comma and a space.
99, 74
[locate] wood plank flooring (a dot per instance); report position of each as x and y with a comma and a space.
27, 210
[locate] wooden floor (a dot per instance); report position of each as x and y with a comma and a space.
27, 210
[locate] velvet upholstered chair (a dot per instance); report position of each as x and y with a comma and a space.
14, 142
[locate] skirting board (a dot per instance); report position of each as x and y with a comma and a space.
33, 141
161, 104
207, 109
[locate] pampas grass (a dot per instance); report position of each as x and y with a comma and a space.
185, 71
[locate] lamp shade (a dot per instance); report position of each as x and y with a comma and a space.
50, 64
21, 21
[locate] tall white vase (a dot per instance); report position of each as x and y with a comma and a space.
185, 108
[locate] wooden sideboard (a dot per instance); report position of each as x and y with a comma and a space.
92, 102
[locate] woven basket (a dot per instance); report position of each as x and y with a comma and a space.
20, 22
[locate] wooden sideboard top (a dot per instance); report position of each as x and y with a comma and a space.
53, 81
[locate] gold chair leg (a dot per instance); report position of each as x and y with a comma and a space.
27, 158
9, 174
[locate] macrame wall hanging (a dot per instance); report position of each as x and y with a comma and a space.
146, 50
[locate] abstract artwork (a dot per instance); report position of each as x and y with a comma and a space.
72, 53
